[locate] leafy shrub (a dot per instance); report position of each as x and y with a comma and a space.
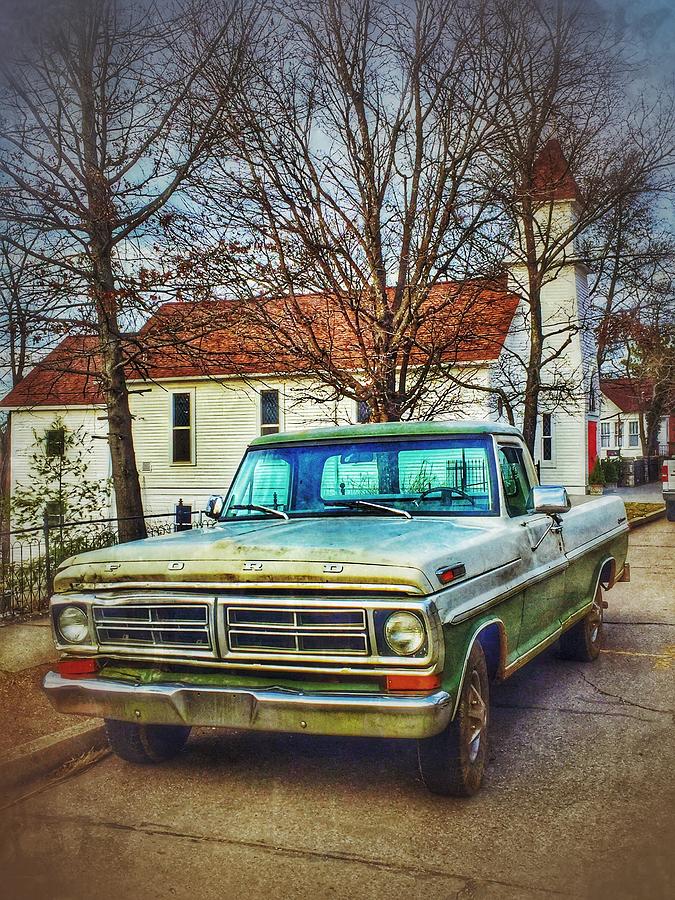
611, 470
597, 476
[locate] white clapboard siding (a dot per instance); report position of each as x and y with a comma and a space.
226, 418
564, 300
89, 421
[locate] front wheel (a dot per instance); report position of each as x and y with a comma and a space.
584, 640
452, 763
145, 743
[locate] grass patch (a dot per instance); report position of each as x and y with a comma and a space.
637, 510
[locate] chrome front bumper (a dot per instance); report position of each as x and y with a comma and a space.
270, 709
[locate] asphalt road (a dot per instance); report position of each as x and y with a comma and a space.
578, 800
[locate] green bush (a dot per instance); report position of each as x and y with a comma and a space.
597, 475
611, 470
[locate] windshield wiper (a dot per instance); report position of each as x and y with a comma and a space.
355, 504
266, 509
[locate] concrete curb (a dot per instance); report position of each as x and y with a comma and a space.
645, 520
45, 754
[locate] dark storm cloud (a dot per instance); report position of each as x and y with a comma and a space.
646, 28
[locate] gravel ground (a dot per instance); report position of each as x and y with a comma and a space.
25, 712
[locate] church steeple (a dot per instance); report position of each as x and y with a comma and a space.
552, 178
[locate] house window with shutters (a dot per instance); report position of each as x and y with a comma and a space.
633, 433
604, 434
182, 427
618, 433
269, 412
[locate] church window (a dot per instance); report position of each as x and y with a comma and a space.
182, 413
269, 412
547, 454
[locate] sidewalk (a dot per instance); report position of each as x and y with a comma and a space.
643, 493
34, 738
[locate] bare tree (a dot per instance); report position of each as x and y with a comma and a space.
103, 119
353, 195
562, 130
647, 354
389, 146
31, 296
630, 254
28, 295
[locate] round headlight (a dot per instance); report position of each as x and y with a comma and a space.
404, 633
73, 625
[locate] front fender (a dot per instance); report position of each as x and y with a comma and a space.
459, 641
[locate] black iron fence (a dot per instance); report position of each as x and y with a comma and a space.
30, 556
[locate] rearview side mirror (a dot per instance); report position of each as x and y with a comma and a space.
214, 506
549, 499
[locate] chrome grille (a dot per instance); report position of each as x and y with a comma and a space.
166, 625
263, 629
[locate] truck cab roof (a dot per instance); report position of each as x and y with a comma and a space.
380, 430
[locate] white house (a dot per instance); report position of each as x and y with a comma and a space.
193, 421
624, 401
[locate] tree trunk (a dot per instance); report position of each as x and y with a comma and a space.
5, 450
129, 502
644, 443
533, 380
102, 218
653, 425
122, 454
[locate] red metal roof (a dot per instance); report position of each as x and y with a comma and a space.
552, 178
65, 377
631, 395
461, 322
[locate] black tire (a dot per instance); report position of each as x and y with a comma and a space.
670, 510
584, 640
452, 763
145, 743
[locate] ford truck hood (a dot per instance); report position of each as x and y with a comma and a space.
344, 552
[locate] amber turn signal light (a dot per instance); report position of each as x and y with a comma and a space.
71, 668
413, 682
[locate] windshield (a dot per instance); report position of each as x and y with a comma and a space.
430, 476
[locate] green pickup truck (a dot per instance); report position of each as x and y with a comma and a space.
370, 580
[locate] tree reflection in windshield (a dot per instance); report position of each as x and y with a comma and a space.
430, 476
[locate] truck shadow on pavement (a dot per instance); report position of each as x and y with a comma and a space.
296, 759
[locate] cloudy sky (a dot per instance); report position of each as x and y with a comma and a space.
647, 27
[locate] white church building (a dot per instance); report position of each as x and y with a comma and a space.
192, 424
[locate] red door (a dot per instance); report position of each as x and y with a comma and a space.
592, 444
